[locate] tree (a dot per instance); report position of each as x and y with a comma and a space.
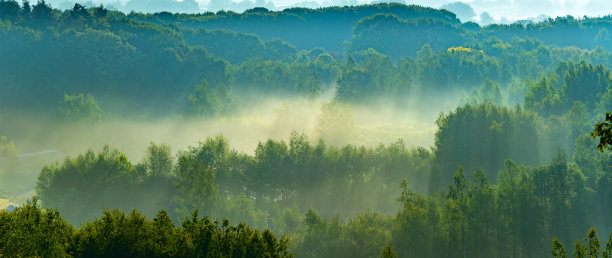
80, 107
558, 250
603, 130
372, 78
586, 83
388, 252
26, 10
485, 128
415, 224
79, 12
607, 253
196, 186
100, 11
81, 186
211, 102
30, 231
9, 10
592, 243
355, 84
580, 249
159, 160
543, 98
489, 92
482, 220
455, 211
272, 177
589, 249
42, 14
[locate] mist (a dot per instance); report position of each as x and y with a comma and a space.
345, 129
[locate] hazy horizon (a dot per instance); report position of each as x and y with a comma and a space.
501, 11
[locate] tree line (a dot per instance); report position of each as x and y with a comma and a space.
508, 208
32, 231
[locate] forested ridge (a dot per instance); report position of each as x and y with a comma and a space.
520, 157
392, 51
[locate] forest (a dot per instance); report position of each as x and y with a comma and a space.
375, 130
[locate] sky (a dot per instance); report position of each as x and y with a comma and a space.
500, 10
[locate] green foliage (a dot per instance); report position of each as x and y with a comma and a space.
388, 252
119, 56
380, 53
603, 130
483, 128
280, 78
544, 98
195, 184
158, 160
489, 92
558, 251
415, 220
474, 219
80, 107
607, 253
227, 165
115, 234
571, 83
239, 241
35, 232
95, 180
212, 102
309, 28
42, 14
591, 247
268, 189
30, 231
363, 235
375, 31
370, 77
592, 243
580, 249
10, 10
271, 169
242, 208
586, 83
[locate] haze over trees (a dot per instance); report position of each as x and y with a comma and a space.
293, 112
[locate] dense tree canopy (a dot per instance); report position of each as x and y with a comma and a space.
472, 135
33, 231
397, 51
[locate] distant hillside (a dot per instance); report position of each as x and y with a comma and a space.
305, 28
164, 64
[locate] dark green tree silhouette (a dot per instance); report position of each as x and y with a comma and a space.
603, 130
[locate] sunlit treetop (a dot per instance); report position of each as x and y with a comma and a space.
461, 49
